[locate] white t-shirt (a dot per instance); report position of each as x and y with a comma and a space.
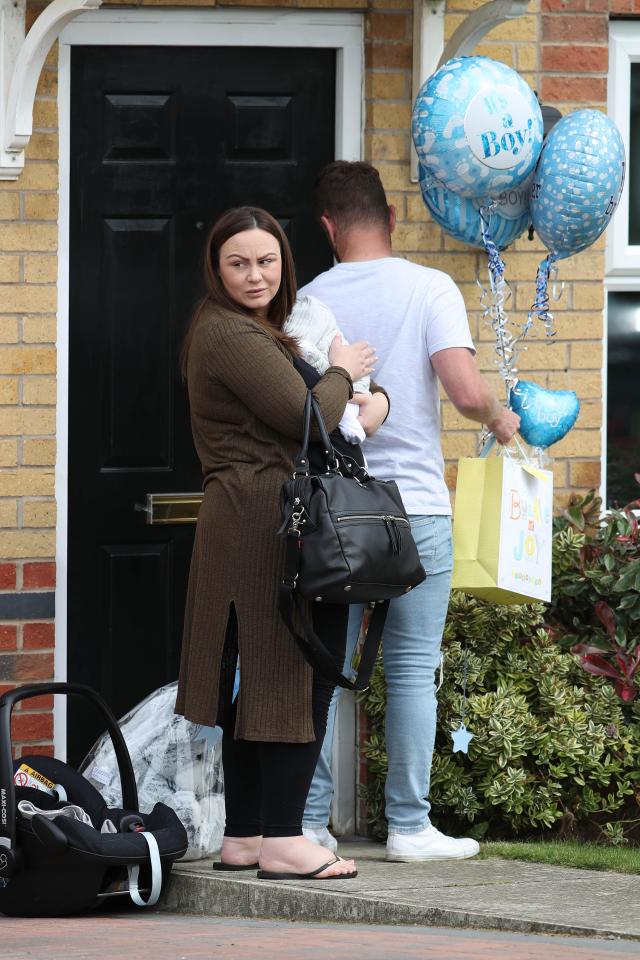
408, 313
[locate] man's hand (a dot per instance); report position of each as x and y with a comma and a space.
374, 408
504, 425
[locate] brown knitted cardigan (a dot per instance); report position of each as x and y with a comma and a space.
246, 402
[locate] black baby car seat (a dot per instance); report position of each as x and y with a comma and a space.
55, 866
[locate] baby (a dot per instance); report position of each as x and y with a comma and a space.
314, 327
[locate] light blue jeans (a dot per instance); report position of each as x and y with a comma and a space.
411, 653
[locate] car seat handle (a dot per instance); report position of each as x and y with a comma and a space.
9, 859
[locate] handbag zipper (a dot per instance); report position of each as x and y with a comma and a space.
390, 522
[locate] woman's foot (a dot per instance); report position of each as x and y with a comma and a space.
300, 855
240, 851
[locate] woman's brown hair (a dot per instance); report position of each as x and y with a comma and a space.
237, 220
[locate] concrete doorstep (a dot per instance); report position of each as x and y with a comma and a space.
482, 894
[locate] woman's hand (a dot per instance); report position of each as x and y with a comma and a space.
358, 359
374, 408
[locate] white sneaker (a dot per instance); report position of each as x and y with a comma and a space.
322, 836
429, 844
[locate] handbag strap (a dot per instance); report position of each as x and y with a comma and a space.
301, 464
313, 649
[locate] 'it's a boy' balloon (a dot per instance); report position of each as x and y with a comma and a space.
477, 127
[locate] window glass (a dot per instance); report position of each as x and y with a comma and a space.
623, 398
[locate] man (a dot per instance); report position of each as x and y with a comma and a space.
416, 319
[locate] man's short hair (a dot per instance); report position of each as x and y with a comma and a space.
351, 194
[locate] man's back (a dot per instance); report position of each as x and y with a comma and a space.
408, 313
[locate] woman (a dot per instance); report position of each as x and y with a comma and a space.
246, 400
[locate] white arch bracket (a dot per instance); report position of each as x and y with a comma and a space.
21, 60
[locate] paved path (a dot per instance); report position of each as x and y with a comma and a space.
148, 936
485, 894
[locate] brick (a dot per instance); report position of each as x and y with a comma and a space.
41, 206
584, 473
17, 421
587, 384
588, 296
579, 443
42, 146
39, 390
591, 29
35, 176
25, 482
386, 85
40, 269
387, 26
45, 702
8, 390
45, 114
395, 176
584, 266
8, 453
38, 636
39, 513
47, 84
9, 205
497, 51
586, 356
460, 266
39, 749
8, 637
581, 59
389, 146
9, 271
527, 55
21, 667
590, 415
18, 544
28, 298
8, 513
522, 28
27, 360
29, 237
382, 115
39, 329
578, 89
460, 444
38, 576
418, 236
31, 726
570, 325
388, 55
8, 576
564, 6
39, 453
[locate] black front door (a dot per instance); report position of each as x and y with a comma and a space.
162, 141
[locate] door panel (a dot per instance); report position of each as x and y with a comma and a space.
162, 141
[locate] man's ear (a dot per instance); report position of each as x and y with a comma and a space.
329, 228
392, 218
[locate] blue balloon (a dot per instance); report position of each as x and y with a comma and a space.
578, 181
477, 127
546, 416
460, 216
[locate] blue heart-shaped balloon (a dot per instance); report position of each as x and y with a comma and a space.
546, 416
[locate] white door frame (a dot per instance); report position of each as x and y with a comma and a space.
343, 32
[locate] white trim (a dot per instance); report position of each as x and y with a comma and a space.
428, 44
624, 49
216, 27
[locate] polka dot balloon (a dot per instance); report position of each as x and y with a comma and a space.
578, 181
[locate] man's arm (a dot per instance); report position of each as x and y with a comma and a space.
470, 394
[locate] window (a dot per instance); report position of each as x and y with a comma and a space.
623, 397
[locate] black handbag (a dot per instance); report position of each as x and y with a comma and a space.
348, 540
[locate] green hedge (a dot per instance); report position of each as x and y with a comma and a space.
554, 749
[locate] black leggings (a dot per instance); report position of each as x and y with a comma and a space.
266, 783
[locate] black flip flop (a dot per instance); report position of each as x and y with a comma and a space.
234, 867
313, 875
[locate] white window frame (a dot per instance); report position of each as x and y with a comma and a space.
217, 27
622, 258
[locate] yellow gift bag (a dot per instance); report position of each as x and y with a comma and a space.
502, 530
